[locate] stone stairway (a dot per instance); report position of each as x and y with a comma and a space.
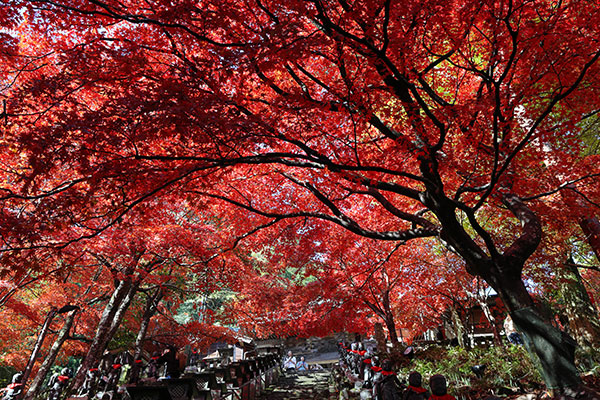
295, 386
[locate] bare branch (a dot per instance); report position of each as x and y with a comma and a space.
344, 221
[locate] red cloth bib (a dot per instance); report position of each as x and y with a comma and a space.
417, 389
444, 397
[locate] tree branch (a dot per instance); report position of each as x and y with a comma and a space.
531, 236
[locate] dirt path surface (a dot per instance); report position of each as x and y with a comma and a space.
312, 386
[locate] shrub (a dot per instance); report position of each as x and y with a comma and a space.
508, 367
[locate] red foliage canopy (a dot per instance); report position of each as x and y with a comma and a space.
394, 120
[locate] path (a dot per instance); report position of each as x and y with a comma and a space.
311, 386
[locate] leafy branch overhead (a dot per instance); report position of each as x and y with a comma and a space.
459, 126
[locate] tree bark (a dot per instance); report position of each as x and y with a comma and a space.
380, 339
553, 350
149, 310
38, 345
390, 324
104, 327
459, 327
389, 319
120, 312
490, 317
109, 329
51, 357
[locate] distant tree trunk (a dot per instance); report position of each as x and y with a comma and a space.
38, 345
459, 327
493, 324
120, 312
482, 301
149, 311
109, 322
380, 338
589, 224
390, 323
384, 312
51, 357
583, 316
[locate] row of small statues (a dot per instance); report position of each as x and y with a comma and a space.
56, 385
380, 378
106, 377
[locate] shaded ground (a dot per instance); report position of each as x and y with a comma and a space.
311, 386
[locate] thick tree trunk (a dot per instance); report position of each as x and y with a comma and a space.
390, 324
553, 349
149, 310
51, 357
38, 345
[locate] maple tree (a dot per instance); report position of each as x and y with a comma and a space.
153, 258
394, 120
105, 277
293, 296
